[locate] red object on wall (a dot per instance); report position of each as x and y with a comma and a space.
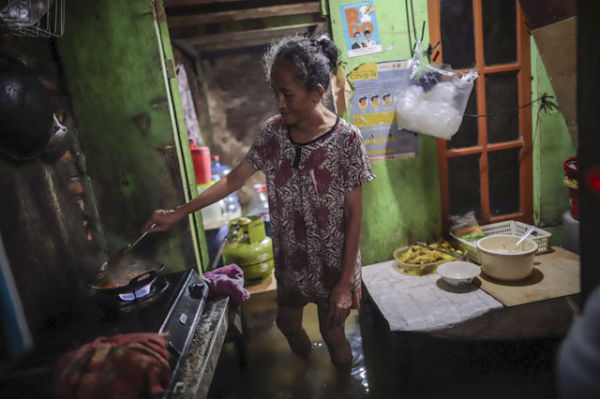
573, 199
570, 166
201, 161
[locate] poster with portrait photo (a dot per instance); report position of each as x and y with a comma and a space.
373, 111
360, 28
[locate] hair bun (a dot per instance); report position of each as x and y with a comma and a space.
329, 49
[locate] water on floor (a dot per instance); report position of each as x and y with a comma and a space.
385, 365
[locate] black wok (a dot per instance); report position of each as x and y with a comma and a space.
25, 111
124, 272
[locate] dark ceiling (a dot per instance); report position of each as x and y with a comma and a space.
199, 27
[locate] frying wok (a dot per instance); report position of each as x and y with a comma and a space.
124, 272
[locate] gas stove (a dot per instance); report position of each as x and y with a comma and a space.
173, 305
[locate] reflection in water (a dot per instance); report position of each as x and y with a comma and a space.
273, 371
409, 366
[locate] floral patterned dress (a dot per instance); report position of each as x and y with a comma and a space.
306, 187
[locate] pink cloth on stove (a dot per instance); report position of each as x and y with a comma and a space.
227, 280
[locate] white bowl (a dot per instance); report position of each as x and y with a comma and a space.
496, 262
458, 273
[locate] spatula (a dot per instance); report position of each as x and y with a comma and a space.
130, 246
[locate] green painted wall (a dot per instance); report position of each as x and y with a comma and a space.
402, 205
552, 145
113, 56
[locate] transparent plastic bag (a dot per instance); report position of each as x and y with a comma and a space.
466, 226
434, 97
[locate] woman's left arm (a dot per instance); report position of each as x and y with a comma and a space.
340, 301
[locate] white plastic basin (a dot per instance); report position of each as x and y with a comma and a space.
496, 262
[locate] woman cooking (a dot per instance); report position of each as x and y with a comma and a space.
315, 164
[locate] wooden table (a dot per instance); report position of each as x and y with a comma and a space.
493, 350
542, 305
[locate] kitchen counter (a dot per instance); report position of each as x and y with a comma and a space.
426, 304
194, 376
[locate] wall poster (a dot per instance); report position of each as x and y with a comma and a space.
360, 28
372, 110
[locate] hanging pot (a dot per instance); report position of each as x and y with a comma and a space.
25, 111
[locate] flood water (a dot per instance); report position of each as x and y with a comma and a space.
385, 365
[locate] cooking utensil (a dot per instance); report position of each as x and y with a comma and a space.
112, 282
527, 232
130, 246
25, 111
126, 272
443, 250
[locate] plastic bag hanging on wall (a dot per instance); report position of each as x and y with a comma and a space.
434, 97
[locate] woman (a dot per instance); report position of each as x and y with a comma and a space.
315, 164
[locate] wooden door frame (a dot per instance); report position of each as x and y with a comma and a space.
523, 65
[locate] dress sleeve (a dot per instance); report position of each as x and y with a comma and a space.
359, 170
263, 146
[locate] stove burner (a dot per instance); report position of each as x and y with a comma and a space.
134, 300
137, 294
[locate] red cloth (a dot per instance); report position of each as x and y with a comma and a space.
125, 367
227, 280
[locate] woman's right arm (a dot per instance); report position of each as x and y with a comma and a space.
164, 219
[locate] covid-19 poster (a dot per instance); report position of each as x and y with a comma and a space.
360, 28
373, 110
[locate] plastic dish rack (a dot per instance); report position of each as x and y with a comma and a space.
511, 227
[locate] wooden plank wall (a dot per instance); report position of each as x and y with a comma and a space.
48, 217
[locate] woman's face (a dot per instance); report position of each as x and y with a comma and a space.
293, 101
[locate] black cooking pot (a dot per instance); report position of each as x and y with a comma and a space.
25, 111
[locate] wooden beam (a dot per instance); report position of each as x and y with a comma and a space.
207, 40
258, 40
238, 15
186, 48
179, 3
233, 45
191, 31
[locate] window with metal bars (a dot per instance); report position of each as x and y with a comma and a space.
486, 167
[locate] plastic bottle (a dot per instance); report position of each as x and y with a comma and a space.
259, 203
217, 169
232, 201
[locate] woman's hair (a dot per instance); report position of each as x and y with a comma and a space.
313, 59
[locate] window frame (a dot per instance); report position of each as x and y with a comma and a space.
523, 68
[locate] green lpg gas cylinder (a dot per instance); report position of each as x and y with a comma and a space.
249, 247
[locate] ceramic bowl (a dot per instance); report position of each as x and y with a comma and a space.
458, 274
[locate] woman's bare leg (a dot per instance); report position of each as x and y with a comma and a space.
335, 338
289, 321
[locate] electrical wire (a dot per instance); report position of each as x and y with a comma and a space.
546, 106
